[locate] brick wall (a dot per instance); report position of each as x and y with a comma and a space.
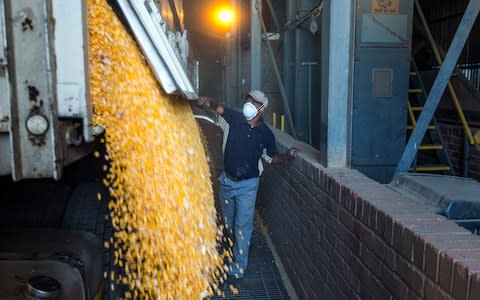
341, 235
454, 137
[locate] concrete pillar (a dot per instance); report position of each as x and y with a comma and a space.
339, 82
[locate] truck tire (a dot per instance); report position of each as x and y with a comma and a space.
85, 212
33, 204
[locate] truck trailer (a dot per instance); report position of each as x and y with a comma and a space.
53, 230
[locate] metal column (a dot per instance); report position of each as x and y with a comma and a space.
255, 45
340, 84
289, 54
439, 85
279, 81
305, 51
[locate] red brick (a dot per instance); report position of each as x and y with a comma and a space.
358, 206
460, 281
376, 287
332, 207
445, 272
397, 236
388, 233
372, 217
412, 296
346, 218
350, 277
380, 228
363, 233
357, 268
347, 237
431, 262
365, 293
419, 253
348, 200
371, 261
393, 283
411, 275
384, 252
407, 244
365, 212
434, 292
474, 293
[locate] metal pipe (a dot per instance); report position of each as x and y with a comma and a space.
439, 85
279, 80
274, 16
255, 45
438, 57
309, 64
466, 158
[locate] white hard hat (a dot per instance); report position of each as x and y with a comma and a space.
259, 96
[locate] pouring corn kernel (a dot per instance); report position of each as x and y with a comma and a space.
162, 209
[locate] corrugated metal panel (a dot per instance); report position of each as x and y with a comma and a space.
472, 73
444, 16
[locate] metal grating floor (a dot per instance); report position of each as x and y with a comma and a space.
262, 279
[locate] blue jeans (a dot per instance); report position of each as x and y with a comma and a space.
237, 200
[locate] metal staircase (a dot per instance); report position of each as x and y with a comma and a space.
433, 141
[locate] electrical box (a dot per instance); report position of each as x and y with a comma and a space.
380, 89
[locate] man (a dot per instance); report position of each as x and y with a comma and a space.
248, 138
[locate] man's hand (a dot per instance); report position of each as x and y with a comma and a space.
201, 101
291, 153
288, 156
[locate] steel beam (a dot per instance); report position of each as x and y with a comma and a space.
339, 82
451, 89
279, 80
439, 85
255, 45
34, 151
274, 15
289, 67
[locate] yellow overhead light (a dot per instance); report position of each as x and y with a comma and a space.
225, 16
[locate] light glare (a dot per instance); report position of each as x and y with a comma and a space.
225, 16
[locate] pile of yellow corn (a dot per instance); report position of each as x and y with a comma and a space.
162, 208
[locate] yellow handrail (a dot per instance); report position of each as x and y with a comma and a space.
453, 94
411, 115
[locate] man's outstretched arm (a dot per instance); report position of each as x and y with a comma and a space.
212, 103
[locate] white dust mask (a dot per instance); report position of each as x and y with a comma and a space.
249, 111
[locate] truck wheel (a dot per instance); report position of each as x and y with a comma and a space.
86, 213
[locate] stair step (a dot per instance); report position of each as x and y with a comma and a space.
434, 168
415, 91
417, 108
430, 147
431, 127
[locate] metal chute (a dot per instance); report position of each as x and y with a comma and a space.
167, 62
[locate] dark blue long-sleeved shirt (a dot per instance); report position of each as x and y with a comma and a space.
245, 145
